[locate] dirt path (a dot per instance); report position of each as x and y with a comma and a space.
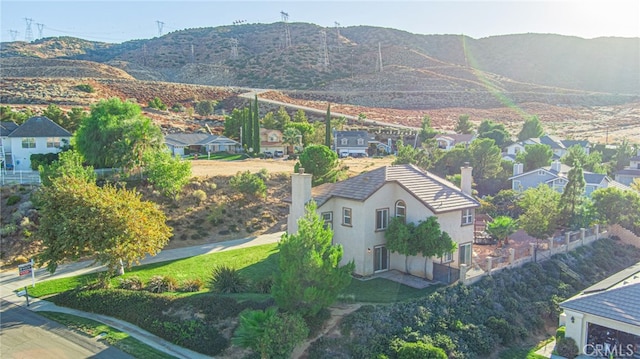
330, 328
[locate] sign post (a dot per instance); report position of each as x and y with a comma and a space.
26, 269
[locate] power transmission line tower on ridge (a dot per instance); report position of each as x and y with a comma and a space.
325, 51
380, 55
28, 34
160, 26
337, 24
234, 48
287, 33
14, 34
40, 28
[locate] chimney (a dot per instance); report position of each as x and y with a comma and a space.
518, 168
465, 178
555, 166
300, 195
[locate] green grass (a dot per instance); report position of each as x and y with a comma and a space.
524, 353
220, 156
254, 263
113, 337
380, 290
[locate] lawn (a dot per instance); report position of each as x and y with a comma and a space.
220, 156
254, 263
113, 337
525, 353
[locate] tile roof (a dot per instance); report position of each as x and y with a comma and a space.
629, 171
6, 127
435, 193
581, 143
352, 138
195, 139
39, 126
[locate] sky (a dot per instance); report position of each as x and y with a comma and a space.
118, 21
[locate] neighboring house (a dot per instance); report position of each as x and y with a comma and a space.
558, 146
604, 319
359, 209
37, 135
271, 140
631, 172
6, 127
351, 142
555, 176
200, 143
447, 141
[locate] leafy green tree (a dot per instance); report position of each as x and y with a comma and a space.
450, 162
269, 333
400, 239
494, 131
540, 217
167, 173
532, 128
75, 117
206, 107
79, 219
432, 242
486, 159
269, 121
623, 154
249, 184
501, 228
256, 126
70, 164
57, 115
157, 103
614, 206
282, 118
503, 203
464, 125
420, 350
572, 196
306, 130
117, 135
427, 132
327, 127
591, 162
300, 117
233, 123
321, 162
310, 277
291, 137
535, 156
19, 117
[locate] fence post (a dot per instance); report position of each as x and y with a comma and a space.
512, 255
583, 234
489, 264
567, 239
532, 250
550, 244
596, 229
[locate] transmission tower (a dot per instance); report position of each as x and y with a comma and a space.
28, 34
325, 51
337, 24
234, 48
40, 28
287, 33
144, 54
380, 56
193, 55
160, 26
14, 34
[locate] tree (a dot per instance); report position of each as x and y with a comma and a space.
319, 161
540, 217
426, 131
117, 135
310, 276
167, 173
591, 162
535, 156
80, 219
157, 104
269, 121
327, 127
494, 131
306, 130
486, 159
291, 137
269, 333
572, 195
256, 126
501, 228
70, 164
300, 117
19, 117
464, 125
55, 114
432, 242
532, 128
614, 206
233, 124
503, 203
623, 154
249, 184
205, 107
75, 118
282, 118
419, 350
400, 239
451, 161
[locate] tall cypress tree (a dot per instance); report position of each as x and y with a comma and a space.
248, 120
256, 127
327, 127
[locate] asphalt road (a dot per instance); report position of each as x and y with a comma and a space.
25, 334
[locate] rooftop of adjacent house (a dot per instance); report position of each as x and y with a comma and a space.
194, 139
352, 138
615, 297
6, 127
456, 137
39, 126
437, 194
581, 143
629, 172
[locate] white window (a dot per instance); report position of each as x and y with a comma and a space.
53, 142
273, 137
346, 216
382, 219
360, 141
448, 257
344, 141
467, 216
541, 173
517, 186
401, 210
327, 217
28, 142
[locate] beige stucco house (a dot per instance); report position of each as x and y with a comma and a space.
359, 208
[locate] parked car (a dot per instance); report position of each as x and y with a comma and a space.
278, 154
268, 154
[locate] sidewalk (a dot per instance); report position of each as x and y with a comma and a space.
10, 281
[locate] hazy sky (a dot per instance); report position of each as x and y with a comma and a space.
118, 21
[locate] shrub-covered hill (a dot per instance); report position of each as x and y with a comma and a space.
476, 321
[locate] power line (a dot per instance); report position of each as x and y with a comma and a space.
28, 34
14, 34
160, 27
40, 28
287, 33
234, 48
325, 51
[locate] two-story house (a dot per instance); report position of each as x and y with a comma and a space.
359, 208
6, 127
447, 141
631, 172
556, 177
36, 135
271, 141
349, 143
558, 146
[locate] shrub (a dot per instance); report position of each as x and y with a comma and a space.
225, 279
8, 229
13, 199
264, 285
157, 103
131, 283
177, 108
161, 284
567, 348
560, 333
216, 216
420, 350
204, 108
199, 196
249, 184
85, 88
191, 285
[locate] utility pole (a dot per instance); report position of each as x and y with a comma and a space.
380, 56
234, 48
193, 56
160, 26
40, 28
287, 33
325, 50
14, 34
28, 34
144, 54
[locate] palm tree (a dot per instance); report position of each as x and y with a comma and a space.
291, 136
501, 228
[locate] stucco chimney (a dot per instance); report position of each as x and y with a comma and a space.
465, 178
518, 168
555, 165
300, 195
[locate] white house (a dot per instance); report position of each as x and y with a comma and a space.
271, 140
37, 135
447, 141
359, 208
200, 143
604, 319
